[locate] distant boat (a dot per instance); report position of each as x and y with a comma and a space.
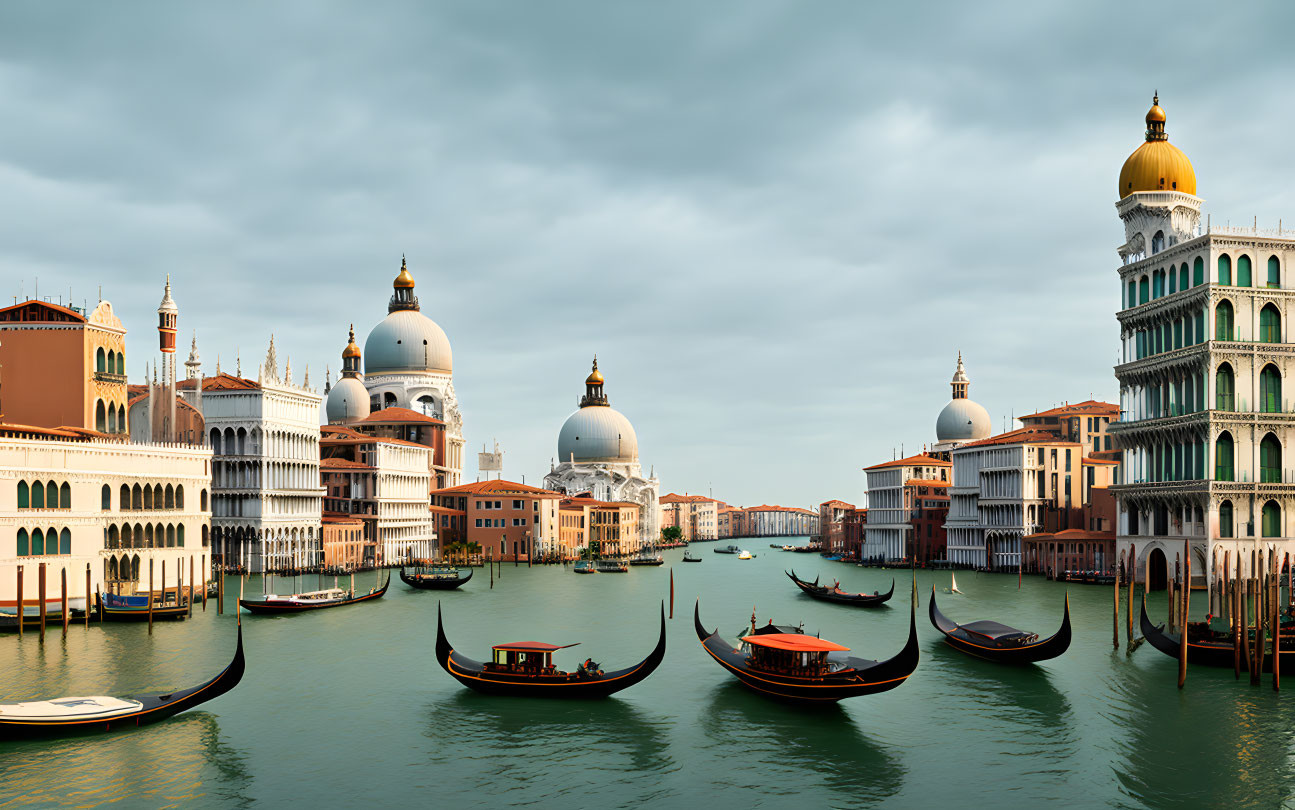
687, 557
114, 608
585, 567
435, 579
953, 579
312, 600
728, 550
647, 556
744, 555
835, 594
611, 567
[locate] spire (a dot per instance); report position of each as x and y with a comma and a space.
1156, 120
328, 379
238, 364
305, 383
271, 366
217, 365
287, 372
960, 381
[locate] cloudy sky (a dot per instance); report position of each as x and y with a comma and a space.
775, 223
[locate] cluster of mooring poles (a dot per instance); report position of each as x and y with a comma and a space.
91, 599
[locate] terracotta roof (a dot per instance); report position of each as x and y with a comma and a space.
37, 304
343, 462
13, 431
400, 415
1027, 435
919, 460
926, 482
337, 435
497, 486
221, 382
1090, 407
773, 508
568, 503
837, 503
342, 519
444, 510
1103, 461
673, 498
1073, 534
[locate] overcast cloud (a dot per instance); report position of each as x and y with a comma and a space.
775, 223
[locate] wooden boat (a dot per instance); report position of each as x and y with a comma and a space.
526, 669
727, 549
648, 559
76, 715
794, 666
687, 557
611, 567
53, 613
437, 579
585, 567
835, 594
744, 555
114, 608
1211, 648
998, 642
312, 600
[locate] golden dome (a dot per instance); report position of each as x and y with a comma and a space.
404, 280
351, 349
595, 377
1157, 165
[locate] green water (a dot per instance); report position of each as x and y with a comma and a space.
348, 707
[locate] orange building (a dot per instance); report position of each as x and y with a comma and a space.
831, 521
344, 543
606, 528
64, 368
695, 515
509, 521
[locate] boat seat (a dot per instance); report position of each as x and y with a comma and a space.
70, 707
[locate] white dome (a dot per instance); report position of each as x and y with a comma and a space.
598, 433
962, 420
407, 340
347, 401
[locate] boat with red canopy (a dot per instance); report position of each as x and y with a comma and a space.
526, 668
799, 667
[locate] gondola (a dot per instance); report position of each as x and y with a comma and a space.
76, 715
314, 600
1208, 648
729, 549
687, 557
525, 669
998, 642
438, 579
114, 608
797, 667
835, 594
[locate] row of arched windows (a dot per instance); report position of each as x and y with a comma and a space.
150, 535
1270, 323
1270, 459
1244, 275
1270, 520
38, 543
109, 418
149, 496
1175, 279
111, 362
48, 495
1270, 389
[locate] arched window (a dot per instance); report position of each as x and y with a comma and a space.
65, 542
139, 536
170, 536
1132, 300
112, 361
179, 535
1157, 242
1225, 519
148, 496
127, 537
112, 419
121, 418
148, 531
51, 495
204, 535
24, 495
1173, 280
24, 543
65, 496
37, 543
100, 363
170, 497
1270, 460
137, 497
1223, 321
1223, 457
100, 417
388, 400
1270, 325
202, 500
110, 569
179, 496
1272, 520
121, 363
1225, 270
134, 568
105, 498
1274, 272
1198, 271
1182, 276
123, 501
215, 441
114, 537
38, 495
1243, 271
1270, 390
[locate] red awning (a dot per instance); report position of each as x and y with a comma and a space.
794, 642
532, 646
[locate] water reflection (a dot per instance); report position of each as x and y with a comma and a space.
160, 765
530, 750
787, 749
1014, 697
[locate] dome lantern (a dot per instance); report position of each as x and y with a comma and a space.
1157, 165
962, 420
597, 432
351, 356
594, 388
403, 297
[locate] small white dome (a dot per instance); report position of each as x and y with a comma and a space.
962, 420
348, 401
598, 433
407, 340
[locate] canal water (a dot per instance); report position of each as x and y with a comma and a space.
348, 706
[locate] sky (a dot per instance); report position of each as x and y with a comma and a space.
776, 224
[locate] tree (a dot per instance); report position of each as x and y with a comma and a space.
671, 534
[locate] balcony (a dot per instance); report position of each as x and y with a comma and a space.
110, 377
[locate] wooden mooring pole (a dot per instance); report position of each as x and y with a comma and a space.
22, 618
1187, 604
40, 592
1132, 573
63, 582
1116, 614
150, 592
1277, 626
87, 595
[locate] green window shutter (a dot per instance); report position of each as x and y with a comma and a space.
1223, 458
1274, 272
65, 542
38, 495
37, 543
1272, 520
1225, 270
1270, 325
24, 544
24, 495
1243, 271
1198, 272
1225, 519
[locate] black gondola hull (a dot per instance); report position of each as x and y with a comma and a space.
271, 608
1206, 653
1042, 650
864, 678
825, 594
474, 675
424, 584
154, 708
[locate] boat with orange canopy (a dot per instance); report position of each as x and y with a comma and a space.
783, 663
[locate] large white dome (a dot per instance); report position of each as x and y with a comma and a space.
407, 340
347, 401
598, 433
962, 420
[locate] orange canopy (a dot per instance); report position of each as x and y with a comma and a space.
532, 646
794, 642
